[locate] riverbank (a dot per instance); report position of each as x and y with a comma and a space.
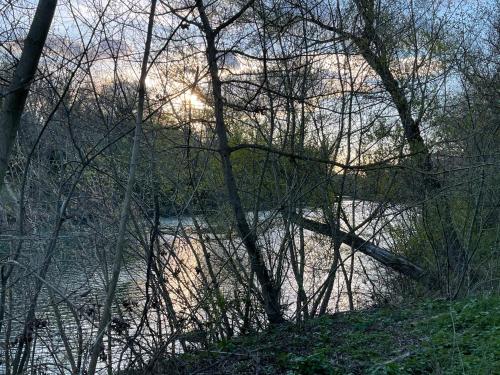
431, 337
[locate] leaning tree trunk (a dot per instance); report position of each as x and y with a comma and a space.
374, 51
393, 261
120, 244
15, 98
270, 292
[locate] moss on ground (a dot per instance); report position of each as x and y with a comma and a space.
434, 337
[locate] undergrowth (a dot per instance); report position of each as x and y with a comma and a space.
433, 337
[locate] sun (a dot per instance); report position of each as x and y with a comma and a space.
194, 100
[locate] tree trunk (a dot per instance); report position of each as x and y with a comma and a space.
17, 92
270, 292
395, 262
374, 51
120, 244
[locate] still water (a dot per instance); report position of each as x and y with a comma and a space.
80, 269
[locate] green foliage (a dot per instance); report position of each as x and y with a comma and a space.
433, 337
317, 363
226, 345
463, 337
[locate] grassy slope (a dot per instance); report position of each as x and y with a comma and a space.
428, 338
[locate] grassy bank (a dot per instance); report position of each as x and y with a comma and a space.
432, 337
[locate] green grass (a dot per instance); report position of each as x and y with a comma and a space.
434, 337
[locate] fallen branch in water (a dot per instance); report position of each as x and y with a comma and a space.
395, 262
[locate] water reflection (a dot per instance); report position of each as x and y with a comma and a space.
195, 285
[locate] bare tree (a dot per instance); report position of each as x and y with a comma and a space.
270, 291
121, 240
